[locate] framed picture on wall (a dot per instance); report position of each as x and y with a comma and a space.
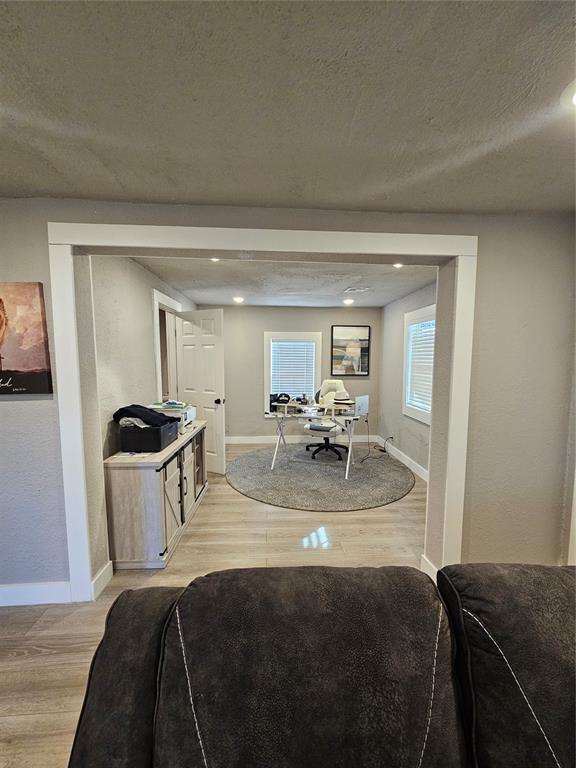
350, 350
24, 356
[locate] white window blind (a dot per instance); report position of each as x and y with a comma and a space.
292, 367
420, 329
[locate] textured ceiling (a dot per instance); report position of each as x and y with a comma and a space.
414, 106
287, 284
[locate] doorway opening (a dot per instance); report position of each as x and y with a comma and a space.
455, 257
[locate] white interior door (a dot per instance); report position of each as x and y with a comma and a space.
201, 376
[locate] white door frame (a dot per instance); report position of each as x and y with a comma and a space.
63, 237
161, 301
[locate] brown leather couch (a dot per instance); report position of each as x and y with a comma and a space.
319, 667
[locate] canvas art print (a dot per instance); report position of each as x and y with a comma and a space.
350, 350
24, 355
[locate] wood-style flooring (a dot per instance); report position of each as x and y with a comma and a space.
45, 651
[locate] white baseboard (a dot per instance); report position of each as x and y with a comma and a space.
271, 439
404, 458
35, 593
43, 592
102, 578
427, 566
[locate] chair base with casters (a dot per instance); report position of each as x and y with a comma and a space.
327, 446
327, 429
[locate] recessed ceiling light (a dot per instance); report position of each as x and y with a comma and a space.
356, 289
398, 266
214, 259
238, 299
348, 301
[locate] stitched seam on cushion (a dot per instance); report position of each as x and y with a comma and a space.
430, 703
476, 619
190, 688
160, 665
465, 648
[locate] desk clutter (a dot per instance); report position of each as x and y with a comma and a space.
331, 394
151, 428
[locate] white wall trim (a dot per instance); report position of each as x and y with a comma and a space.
418, 469
63, 236
458, 420
427, 566
67, 365
238, 239
101, 579
160, 301
34, 593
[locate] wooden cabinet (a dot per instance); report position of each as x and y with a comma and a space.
150, 498
188, 471
172, 501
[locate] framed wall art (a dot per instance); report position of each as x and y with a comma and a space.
350, 350
24, 355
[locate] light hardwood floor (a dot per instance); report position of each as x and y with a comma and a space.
45, 651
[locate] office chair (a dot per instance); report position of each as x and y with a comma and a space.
325, 396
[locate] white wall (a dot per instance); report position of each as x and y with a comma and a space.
244, 329
412, 437
521, 374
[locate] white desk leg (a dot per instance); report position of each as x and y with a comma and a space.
350, 430
280, 431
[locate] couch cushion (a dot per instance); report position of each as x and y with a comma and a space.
308, 667
515, 629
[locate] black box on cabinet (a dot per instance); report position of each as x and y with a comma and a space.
148, 439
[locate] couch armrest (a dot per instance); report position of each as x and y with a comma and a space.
116, 722
514, 626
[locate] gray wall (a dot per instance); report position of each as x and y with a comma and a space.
32, 521
116, 334
412, 437
521, 373
123, 318
520, 390
244, 329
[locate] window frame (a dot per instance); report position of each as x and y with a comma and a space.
270, 336
412, 318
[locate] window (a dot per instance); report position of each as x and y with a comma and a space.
292, 363
419, 333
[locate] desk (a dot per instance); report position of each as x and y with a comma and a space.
346, 421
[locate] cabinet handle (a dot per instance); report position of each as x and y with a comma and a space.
185, 486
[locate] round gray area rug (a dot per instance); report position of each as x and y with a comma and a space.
298, 482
